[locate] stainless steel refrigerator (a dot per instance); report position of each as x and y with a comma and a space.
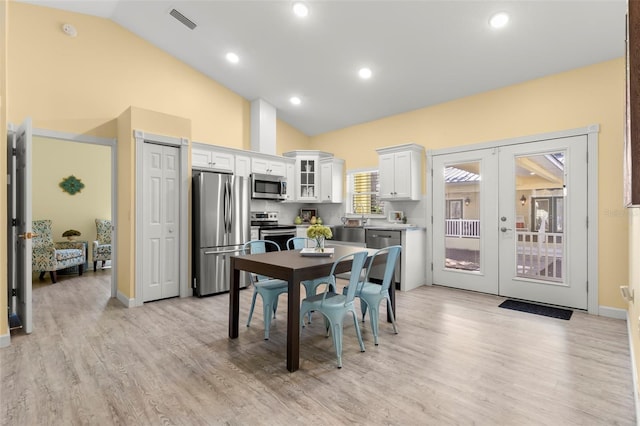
221, 225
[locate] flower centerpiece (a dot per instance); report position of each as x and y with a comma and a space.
71, 234
319, 233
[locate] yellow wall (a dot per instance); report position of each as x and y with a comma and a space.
290, 139
125, 229
83, 84
4, 28
589, 95
53, 160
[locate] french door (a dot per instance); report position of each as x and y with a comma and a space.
512, 221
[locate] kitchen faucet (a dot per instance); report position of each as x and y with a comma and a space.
364, 220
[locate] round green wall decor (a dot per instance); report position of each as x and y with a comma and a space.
71, 185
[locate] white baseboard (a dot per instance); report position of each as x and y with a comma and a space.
634, 371
615, 313
129, 303
5, 340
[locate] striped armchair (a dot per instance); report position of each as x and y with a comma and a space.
51, 257
102, 246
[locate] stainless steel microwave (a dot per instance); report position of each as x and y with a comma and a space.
268, 187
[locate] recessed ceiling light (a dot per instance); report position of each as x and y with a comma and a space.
295, 100
232, 57
300, 9
499, 20
365, 73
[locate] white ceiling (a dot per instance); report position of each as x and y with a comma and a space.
421, 52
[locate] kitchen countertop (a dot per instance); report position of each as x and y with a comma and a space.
390, 226
395, 227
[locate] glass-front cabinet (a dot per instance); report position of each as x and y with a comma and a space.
307, 176
307, 171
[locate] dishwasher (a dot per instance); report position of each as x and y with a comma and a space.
381, 238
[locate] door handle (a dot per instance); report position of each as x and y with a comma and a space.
27, 235
505, 229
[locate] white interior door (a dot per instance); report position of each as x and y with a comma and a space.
513, 221
543, 228
20, 191
465, 212
161, 214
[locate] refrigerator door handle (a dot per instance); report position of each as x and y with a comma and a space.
229, 207
238, 250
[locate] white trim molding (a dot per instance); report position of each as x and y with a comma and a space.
615, 313
142, 137
127, 302
5, 340
634, 369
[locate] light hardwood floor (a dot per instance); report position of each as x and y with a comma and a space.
459, 359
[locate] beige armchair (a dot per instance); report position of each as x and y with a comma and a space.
101, 250
51, 257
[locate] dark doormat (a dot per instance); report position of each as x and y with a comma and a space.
532, 308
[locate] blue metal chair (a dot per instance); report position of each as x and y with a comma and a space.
334, 306
297, 243
310, 286
268, 288
371, 294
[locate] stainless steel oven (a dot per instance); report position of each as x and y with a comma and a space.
279, 234
270, 229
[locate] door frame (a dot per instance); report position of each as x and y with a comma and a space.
142, 137
591, 132
111, 143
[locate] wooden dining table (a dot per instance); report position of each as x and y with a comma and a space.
290, 266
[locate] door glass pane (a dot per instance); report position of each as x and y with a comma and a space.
540, 216
462, 216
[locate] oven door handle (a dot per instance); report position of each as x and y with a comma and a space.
277, 233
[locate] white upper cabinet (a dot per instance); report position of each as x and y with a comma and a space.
203, 158
268, 166
331, 180
400, 169
243, 165
290, 167
311, 185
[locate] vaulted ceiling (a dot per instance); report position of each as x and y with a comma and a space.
421, 53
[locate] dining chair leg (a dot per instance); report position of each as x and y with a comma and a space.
373, 316
363, 308
253, 305
336, 333
358, 332
392, 315
267, 310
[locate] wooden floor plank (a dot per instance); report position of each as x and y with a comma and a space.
458, 359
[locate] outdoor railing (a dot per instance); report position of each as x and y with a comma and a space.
462, 228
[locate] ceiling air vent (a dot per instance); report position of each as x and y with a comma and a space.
180, 17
